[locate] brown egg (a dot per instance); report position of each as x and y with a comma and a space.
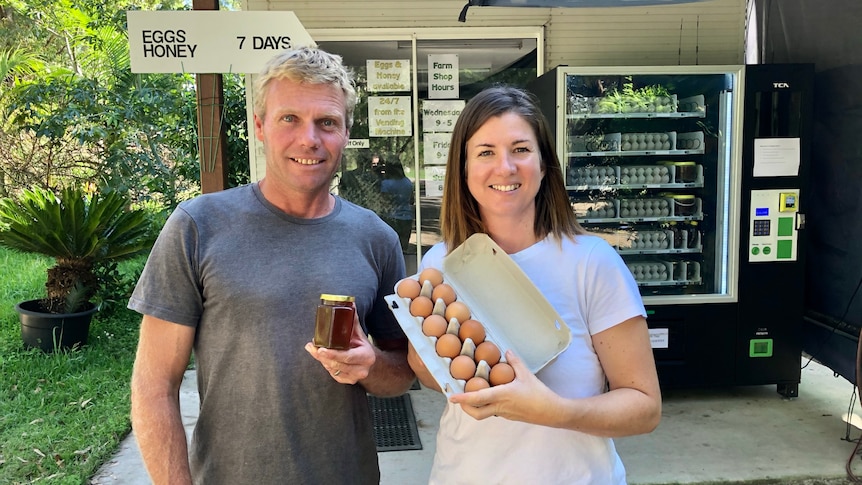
472, 329
408, 288
457, 310
434, 325
444, 291
488, 352
502, 373
421, 306
448, 345
462, 367
434, 275
475, 384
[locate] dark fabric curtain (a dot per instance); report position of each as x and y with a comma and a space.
827, 35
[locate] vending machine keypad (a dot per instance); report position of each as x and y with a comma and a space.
761, 227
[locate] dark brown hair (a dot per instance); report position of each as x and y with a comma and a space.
459, 215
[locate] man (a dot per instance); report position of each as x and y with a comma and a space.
237, 275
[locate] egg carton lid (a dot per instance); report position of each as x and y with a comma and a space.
515, 314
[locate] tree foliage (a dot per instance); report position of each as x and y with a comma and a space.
73, 110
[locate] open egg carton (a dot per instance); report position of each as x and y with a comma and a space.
515, 315
648, 142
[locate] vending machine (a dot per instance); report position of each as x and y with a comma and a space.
778, 120
695, 175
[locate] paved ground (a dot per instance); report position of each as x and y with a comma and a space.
742, 435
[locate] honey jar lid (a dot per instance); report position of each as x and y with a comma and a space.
328, 297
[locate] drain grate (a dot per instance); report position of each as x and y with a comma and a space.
394, 423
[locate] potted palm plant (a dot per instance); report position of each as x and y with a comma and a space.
81, 231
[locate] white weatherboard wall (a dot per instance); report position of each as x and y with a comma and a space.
706, 32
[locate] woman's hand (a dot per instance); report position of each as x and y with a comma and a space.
524, 399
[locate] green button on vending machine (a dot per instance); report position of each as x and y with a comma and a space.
760, 347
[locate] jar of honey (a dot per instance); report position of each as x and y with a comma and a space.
334, 321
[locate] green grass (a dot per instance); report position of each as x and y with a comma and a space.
61, 415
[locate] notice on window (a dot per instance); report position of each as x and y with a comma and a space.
434, 177
440, 116
389, 116
358, 143
658, 338
387, 75
776, 157
443, 76
436, 148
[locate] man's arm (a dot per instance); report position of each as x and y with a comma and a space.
162, 357
390, 375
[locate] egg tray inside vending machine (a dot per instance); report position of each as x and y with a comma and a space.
514, 313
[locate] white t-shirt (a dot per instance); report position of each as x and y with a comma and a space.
588, 284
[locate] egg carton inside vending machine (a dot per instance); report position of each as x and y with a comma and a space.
648, 142
647, 208
687, 272
592, 176
637, 175
691, 142
693, 104
595, 209
594, 143
651, 272
639, 241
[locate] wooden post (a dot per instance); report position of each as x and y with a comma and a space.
212, 139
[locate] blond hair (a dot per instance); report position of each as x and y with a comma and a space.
308, 65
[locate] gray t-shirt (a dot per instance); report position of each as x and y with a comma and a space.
249, 278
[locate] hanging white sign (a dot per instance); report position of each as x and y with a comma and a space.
358, 143
210, 41
434, 177
436, 148
389, 116
440, 116
387, 75
443, 76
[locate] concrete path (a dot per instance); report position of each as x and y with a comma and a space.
736, 435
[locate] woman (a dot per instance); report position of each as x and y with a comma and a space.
503, 178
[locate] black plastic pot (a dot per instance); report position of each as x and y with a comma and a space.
53, 331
